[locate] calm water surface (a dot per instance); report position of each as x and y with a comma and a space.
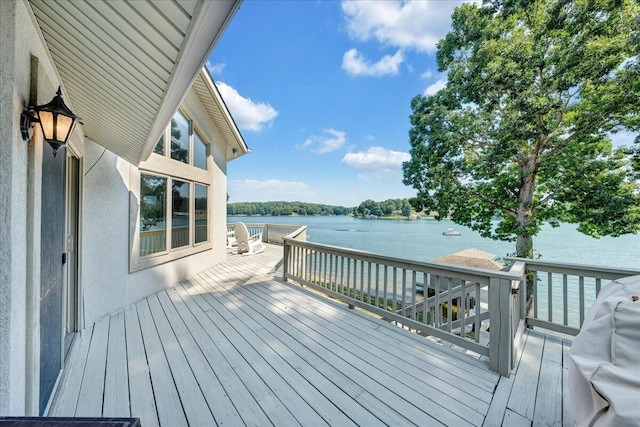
422, 240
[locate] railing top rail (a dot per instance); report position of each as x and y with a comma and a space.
263, 224
291, 236
469, 273
578, 269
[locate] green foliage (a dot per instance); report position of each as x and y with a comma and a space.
385, 208
521, 129
285, 208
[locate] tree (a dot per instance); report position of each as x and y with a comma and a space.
521, 130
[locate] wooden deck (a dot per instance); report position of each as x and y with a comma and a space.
236, 346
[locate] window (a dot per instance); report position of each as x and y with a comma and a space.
186, 144
180, 138
173, 209
180, 222
159, 149
153, 225
200, 213
199, 152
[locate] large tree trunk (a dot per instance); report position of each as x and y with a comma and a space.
524, 240
524, 246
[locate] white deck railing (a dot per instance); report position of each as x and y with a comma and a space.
473, 308
271, 233
563, 293
484, 311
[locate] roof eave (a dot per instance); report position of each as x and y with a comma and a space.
200, 41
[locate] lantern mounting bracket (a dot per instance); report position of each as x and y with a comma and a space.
27, 119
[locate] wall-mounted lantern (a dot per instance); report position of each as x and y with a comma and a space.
56, 121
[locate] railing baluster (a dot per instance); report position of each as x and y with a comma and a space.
353, 266
296, 255
598, 286
581, 285
477, 319
316, 271
300, 265
340, 261
362, 280
425, 296
331, 257
449, 304
369, 282
324, 270
565, 299
404, 293
438, 309
550, 296
395, 290
463, 304
386, 304
377, 285
308, 261
534, 295
348, 276
413, 295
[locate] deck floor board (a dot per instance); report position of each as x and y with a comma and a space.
420, 380
142, 402
234, 345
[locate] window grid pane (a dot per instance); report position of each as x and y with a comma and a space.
199, 152
180, 221
180, 138
153, 224
201, 209
159, 148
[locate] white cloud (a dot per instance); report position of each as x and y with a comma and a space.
216, 68
355, 64
432, 89
331, 140
426, 75
251, 190
409, 25
247, 114
376, 160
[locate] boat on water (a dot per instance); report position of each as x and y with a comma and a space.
450, 232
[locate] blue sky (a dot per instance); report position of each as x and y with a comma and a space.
321, 92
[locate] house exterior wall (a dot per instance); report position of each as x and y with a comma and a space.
106, 284
20, 198
110, 199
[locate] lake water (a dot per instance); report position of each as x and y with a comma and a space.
422, 240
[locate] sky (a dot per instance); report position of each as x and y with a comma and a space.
321, 92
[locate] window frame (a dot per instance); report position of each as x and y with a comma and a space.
171, 169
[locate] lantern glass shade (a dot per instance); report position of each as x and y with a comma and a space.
56, 127
56, 121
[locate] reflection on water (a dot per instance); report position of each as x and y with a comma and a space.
422, 240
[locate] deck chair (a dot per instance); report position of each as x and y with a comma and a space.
248, 244
231, 239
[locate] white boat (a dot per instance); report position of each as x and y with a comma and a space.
450, 232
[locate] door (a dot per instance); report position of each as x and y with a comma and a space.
71, 315
52, 248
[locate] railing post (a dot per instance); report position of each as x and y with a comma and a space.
501, 334
265, 233
285, 264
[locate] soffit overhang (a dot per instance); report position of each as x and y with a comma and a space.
210, 97
127, 65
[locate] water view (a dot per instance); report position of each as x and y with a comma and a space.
422, 240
